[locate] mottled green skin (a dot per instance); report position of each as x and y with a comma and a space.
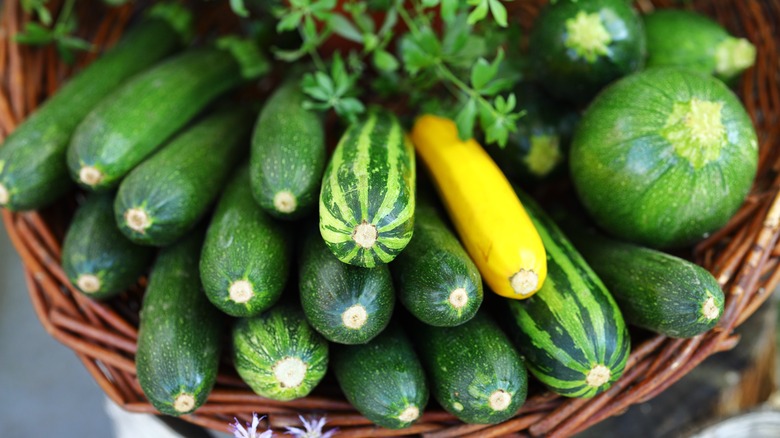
654, 290
178, 184
382, 378
262, 341
572, 324
564, 73
328, 287
683, 39
94, 246
629, 176
180, 332
546, 124
431, 267
370, 178
134, 121
288, 152
468, 363
244, 243
32, 158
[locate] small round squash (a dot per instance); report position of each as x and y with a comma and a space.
664, 157
578, 47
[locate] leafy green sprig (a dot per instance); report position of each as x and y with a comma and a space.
59, 33
464, 59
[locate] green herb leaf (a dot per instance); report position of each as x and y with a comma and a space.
420, 51
385, 61
289, 21
35, 35
239, 8
465, 119
343, 27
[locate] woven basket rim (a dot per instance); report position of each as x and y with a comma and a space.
743, 256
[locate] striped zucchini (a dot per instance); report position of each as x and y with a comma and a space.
278, 355
571, 332
367, 198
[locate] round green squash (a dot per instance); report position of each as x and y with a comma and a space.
664, 157
693, 41
578, 47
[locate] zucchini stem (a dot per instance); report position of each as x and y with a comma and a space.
598, 376
241, 291
90, 176
710, 309
499, 400
285, 202
290, 372
524, 282
409, 414
137, 220
5, 197
88, 283
365, 235
184, 403
355, 317
459, 298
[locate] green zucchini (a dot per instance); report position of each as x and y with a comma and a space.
246, 257
664, 157
179, 336
134, 121
383, 379
346, 304
656, 291
578, 47
571, 332
33, 172
98, 260
690, 40
288, 155
434, 277
475, 372
278, 355
164, 197
367, 197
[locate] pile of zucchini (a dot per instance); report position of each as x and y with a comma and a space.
293, 261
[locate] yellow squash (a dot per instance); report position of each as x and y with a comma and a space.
492, 224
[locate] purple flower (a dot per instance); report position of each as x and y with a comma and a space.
251, 429
313, 429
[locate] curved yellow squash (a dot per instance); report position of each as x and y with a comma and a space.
492, 224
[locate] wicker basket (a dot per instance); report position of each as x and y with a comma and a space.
743, 256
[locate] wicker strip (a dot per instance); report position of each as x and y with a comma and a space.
743, 256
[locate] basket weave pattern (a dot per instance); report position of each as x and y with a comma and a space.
743, 256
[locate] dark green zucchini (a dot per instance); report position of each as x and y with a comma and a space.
33, 172
571, 332
164, 197
179, 337
475, 372
383, 379
288, 155
578, 47
345, 303
134, 121
434, 277
536, 151
654, 290
96, 257
246, 257
278, 354
367, 198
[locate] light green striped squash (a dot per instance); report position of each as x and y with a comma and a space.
278, 354
367, 199
571, 332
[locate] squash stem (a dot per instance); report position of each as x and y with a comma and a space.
355, 317
365, 235
241, 291
499, 400
524, 282
90, 176
88, 283
290, 372
184, 403
5, 196
137, 220
598, 376
285, 202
